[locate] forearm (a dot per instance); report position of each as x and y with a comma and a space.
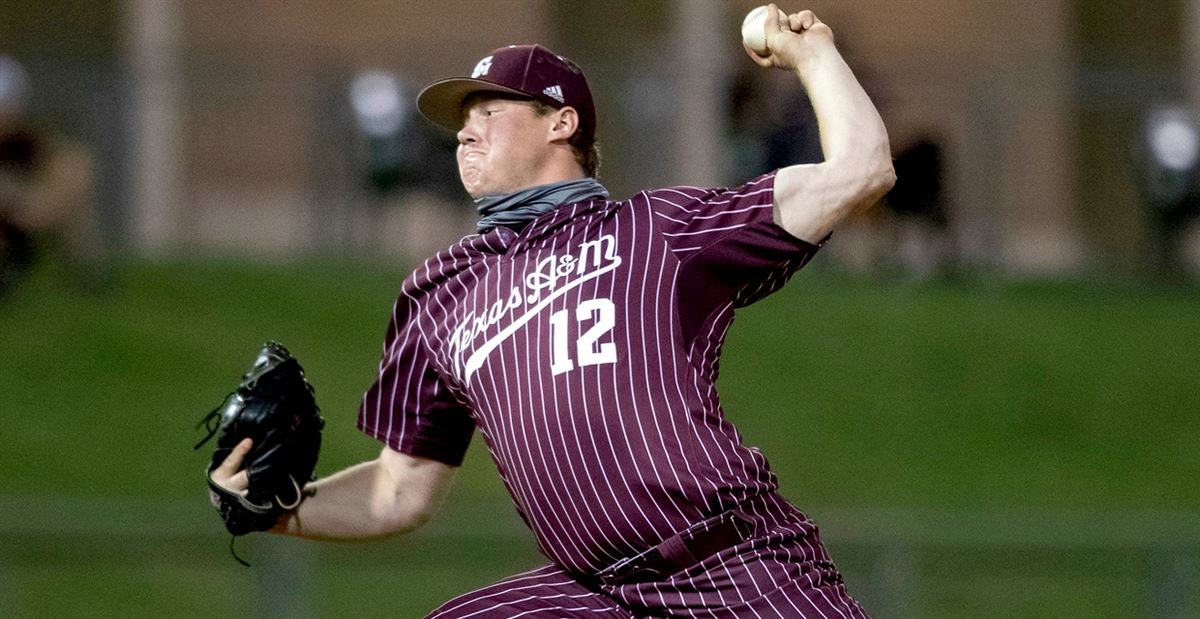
853, 136
811, 199
370, 500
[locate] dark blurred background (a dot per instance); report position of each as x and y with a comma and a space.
996, 396
1054, 124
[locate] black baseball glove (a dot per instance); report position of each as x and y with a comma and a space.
274, 406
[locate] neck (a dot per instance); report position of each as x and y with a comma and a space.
539, 180
557, 165
520, 207
555, 171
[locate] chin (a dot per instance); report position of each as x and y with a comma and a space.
475, 190
470, 183
480, 190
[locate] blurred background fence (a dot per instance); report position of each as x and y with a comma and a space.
249, 127
899, 562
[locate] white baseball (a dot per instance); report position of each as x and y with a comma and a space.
754, 32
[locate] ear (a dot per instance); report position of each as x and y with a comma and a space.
566, 122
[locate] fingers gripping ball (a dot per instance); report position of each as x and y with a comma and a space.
754, 29
275, 408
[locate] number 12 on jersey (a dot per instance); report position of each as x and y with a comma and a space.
588, 349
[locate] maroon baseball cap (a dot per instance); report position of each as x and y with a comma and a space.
523, 70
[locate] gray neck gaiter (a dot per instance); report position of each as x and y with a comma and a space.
519, 208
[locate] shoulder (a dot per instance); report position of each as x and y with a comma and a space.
682, 203
442, 267
683, 196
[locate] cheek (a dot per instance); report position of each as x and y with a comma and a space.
496, 162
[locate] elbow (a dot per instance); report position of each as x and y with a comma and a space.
867, 180
417, 519
408, 492
876, 182
399, 514
883, 180
885, 171
391, 522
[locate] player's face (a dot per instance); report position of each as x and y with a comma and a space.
502, 146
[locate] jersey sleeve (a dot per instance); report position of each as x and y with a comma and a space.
729, 247
409, 407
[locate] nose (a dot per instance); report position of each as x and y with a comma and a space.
467, 134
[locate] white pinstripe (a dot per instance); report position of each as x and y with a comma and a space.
516, 420
649, 528
601, 460
657, 531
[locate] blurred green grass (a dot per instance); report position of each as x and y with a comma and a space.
1035, 395
973, 396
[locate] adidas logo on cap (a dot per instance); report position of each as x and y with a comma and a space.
554, 92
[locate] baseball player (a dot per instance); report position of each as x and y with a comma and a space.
581, 337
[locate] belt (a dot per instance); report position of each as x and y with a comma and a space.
682, 550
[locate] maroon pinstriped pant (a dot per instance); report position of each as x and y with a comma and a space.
783, 571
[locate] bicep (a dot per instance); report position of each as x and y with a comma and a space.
811, 199
807, 197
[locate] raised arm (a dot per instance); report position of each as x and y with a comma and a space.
811, 199
394, 493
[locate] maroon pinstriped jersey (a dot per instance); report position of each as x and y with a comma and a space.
585, 350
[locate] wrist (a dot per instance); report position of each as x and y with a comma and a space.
808, 63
